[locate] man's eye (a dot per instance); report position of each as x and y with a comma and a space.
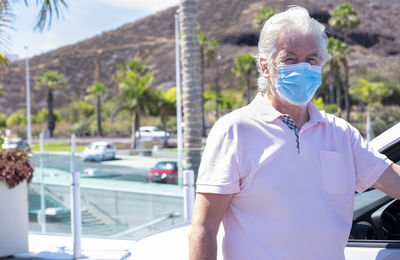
289, 60
312, 60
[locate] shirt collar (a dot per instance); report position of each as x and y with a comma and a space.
262, 108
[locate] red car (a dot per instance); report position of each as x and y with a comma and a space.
164, 172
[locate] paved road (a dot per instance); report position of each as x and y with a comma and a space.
128, 168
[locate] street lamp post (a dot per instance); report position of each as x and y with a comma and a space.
28, 100
178, 100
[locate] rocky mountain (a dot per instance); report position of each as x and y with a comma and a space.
152, 40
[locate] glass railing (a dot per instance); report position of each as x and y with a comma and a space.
119, 197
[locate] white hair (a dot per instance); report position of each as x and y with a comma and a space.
294, 20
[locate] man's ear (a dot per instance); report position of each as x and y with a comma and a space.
264, 68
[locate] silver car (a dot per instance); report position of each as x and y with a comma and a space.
99, 151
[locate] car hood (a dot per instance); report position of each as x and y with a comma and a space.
170, 245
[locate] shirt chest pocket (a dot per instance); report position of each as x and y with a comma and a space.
335, 177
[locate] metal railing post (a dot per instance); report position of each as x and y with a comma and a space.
42, 215
188, 193
179, 133
76, 223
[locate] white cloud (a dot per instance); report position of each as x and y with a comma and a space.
151, 5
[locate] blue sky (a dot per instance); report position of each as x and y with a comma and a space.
82, 20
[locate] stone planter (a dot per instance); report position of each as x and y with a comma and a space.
13, 219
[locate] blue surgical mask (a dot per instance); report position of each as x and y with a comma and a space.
297, 83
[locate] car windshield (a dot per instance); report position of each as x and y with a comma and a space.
165, 165
96, 147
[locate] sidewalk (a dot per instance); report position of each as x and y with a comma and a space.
61, 247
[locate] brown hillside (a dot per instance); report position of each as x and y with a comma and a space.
152, 39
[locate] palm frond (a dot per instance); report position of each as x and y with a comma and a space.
47, 10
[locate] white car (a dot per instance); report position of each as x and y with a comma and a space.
152, 132
375, 234
99, 151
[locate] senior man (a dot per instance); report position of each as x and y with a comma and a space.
278, 173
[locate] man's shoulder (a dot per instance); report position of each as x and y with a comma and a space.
235, 118
337, 123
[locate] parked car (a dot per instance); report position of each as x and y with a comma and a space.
375, 233
15, 144
152, 133
164, 172
99, 151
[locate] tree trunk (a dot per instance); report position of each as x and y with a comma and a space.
136, 128
248, 94
202, 66
331, 83
346, 90
191, 85
51, 124
338, 89
99, 129
217, 89
369, 124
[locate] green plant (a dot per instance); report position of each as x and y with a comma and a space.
16, 119
329, 108
43, 115
63, 129
135, 95
3, 120
262, 16
244, 66
81, 128
79, 110
117, 128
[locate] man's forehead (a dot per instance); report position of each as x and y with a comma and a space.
297, 43
285, 52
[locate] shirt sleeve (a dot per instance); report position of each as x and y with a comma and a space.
369, 163
218, 172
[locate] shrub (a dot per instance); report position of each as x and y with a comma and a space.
16, 119
81, 128
3, 120
63, 129
43, 114
80, 110
117, 128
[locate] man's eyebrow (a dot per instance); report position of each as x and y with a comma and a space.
290, 53
313, 54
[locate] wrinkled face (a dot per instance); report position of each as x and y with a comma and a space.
292, 49
297, 48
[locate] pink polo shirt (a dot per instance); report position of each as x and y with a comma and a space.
287, 204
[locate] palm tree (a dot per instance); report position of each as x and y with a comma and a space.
207, 50
47, 9
50, 81
96, 91
244, 66
371, 94
191, 85
262, 16
166, 105
136, 96
338, 51
345, 18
